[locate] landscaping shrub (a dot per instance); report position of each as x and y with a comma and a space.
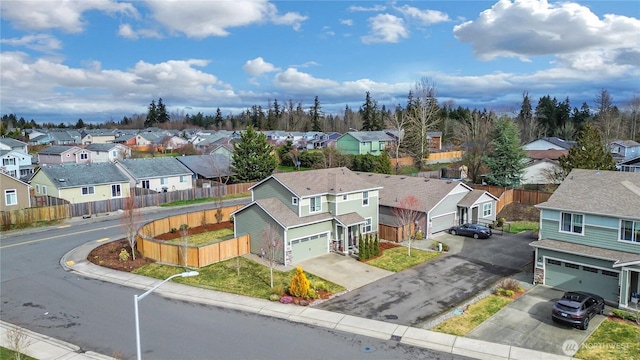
624, 315
361, 249
286, 299
299, 286
311, 294
277, 290
510, 284
124, 255
319, 285
274, 297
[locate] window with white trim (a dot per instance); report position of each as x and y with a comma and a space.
366, 228
145, 184
164, 181
365, 198
84, 156
88, 190
345, 197
487, 208
115, 190
38, 188
315, 204
114, 153
573, 223
630, 230
8, 161
294, 200
44, 190
183, 178
10, 197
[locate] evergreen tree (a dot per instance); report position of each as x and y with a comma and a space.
163, 116
79, 124
152, 115
315, 114
506, 158
383, 164
253, 158
589, 153
376, 246
360, 247
219, 120
369, 114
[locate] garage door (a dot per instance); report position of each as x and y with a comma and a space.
443, 222
309, 247
571, 276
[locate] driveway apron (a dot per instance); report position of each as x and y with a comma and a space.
414, 296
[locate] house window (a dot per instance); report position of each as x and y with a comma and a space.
114, 153
366, 228
84, 156
145, 184
572, 223
345, 197
44, 190
164, 181
183, 178
115, 190
88, 190
9, 161
294, 200
315, 204
365, 198
11, 197
630, 230
13, 173
38, 188
486, 209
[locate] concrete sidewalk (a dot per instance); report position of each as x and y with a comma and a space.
76, 261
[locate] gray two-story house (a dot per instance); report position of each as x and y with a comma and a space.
313, 212
589, 236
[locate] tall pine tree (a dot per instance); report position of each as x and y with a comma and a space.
589, 153
506, 158
253, 158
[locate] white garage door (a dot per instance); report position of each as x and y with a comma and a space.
570, 276
443, 222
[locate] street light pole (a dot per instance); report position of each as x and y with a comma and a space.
137, 298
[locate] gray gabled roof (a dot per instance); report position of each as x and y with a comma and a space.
12, 142
207, 166
371, 136
395, 188
101, 147
560, 142
287, 218
609, 193
57, 149
322, 181
471, 198
75, 175
154, 167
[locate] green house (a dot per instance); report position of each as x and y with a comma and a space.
589, 237
365, 142
309, 213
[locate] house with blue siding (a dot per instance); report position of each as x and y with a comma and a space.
314, 212
589, 236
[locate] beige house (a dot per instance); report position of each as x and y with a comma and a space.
15, 193
80, 183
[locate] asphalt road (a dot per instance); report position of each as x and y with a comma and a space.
36, 293
415, 296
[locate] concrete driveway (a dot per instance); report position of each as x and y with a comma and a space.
343, 270
414, 296
526, 323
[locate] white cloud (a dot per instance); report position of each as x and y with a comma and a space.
57, 14
40, 42
425, 17
378, 8
200, 19
347, 22
292, 79
539, 28
126, 31
385, 28
258, 66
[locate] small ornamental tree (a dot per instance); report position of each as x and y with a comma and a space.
376, 246
361, 248
409, 210
300, 285
272, 249
130, 217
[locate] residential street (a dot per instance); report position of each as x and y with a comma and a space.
414, 296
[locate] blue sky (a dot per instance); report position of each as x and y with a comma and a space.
102, 59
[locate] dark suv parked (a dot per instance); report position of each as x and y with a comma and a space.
577, 308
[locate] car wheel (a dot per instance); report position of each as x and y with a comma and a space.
453, 232
475, 236
602, 310
585, 323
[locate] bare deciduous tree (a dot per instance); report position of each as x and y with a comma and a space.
409, 211
422, 117
473, 133
397, 121
272, 248
184, 233
18, 341
130, 217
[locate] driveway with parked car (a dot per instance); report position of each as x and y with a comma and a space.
417, 295
474, 230
526, 323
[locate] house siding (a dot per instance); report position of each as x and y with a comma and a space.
101, 192
253, 220
599, 231
40, 180
347, 144
273, 189
22, 194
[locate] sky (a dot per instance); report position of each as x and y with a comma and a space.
100, 60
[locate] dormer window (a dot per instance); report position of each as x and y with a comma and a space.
315, 204
294, 201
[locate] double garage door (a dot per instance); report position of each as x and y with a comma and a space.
309, 247
443, 222
577, 277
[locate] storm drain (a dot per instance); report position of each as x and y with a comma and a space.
396, 337
391, 317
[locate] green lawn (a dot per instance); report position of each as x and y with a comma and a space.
205, 238
10, 354
396, 259
520, 226
254, 278
613, 340
475, 314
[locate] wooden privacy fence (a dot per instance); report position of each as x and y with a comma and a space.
507, 196
63, 211
394, 233
197, 256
